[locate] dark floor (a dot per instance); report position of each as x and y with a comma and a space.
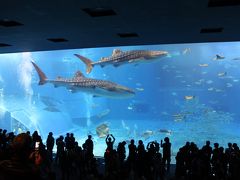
101, 169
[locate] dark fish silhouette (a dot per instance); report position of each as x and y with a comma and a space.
236, 59
218, 57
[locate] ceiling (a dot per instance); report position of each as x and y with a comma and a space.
27, 25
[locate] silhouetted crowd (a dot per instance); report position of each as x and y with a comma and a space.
207, 162
26, 157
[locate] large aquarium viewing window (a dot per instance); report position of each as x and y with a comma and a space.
187, 92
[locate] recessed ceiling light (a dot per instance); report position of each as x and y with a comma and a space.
99, 12
211, 30
57, 40
4, 45
127, 35
9, 23
222, 3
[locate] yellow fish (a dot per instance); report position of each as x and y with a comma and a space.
222, 74
203, 65
140, 89
178, 120
189, 97
177, 115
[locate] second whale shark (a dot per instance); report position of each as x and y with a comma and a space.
119, 57
79, 83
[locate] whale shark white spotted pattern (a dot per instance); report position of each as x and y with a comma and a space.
119, 57
79, 83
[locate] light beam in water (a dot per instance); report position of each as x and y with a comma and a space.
88, 100
25, 73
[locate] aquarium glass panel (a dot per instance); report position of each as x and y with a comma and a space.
187, 92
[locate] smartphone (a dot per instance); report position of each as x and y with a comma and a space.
37, 145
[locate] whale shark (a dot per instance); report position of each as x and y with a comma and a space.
79, 83
119, 57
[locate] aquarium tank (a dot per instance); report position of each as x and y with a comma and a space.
187, 92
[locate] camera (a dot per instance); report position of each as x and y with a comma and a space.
37, 145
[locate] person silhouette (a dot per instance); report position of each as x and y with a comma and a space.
50, 144
89, 147
166, 152
110, 142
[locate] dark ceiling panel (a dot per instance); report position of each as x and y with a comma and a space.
99, 12
127, 35
211, 30
222, 3
57, 40
4, 45
9, 23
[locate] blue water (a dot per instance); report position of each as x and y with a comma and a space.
185, 96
